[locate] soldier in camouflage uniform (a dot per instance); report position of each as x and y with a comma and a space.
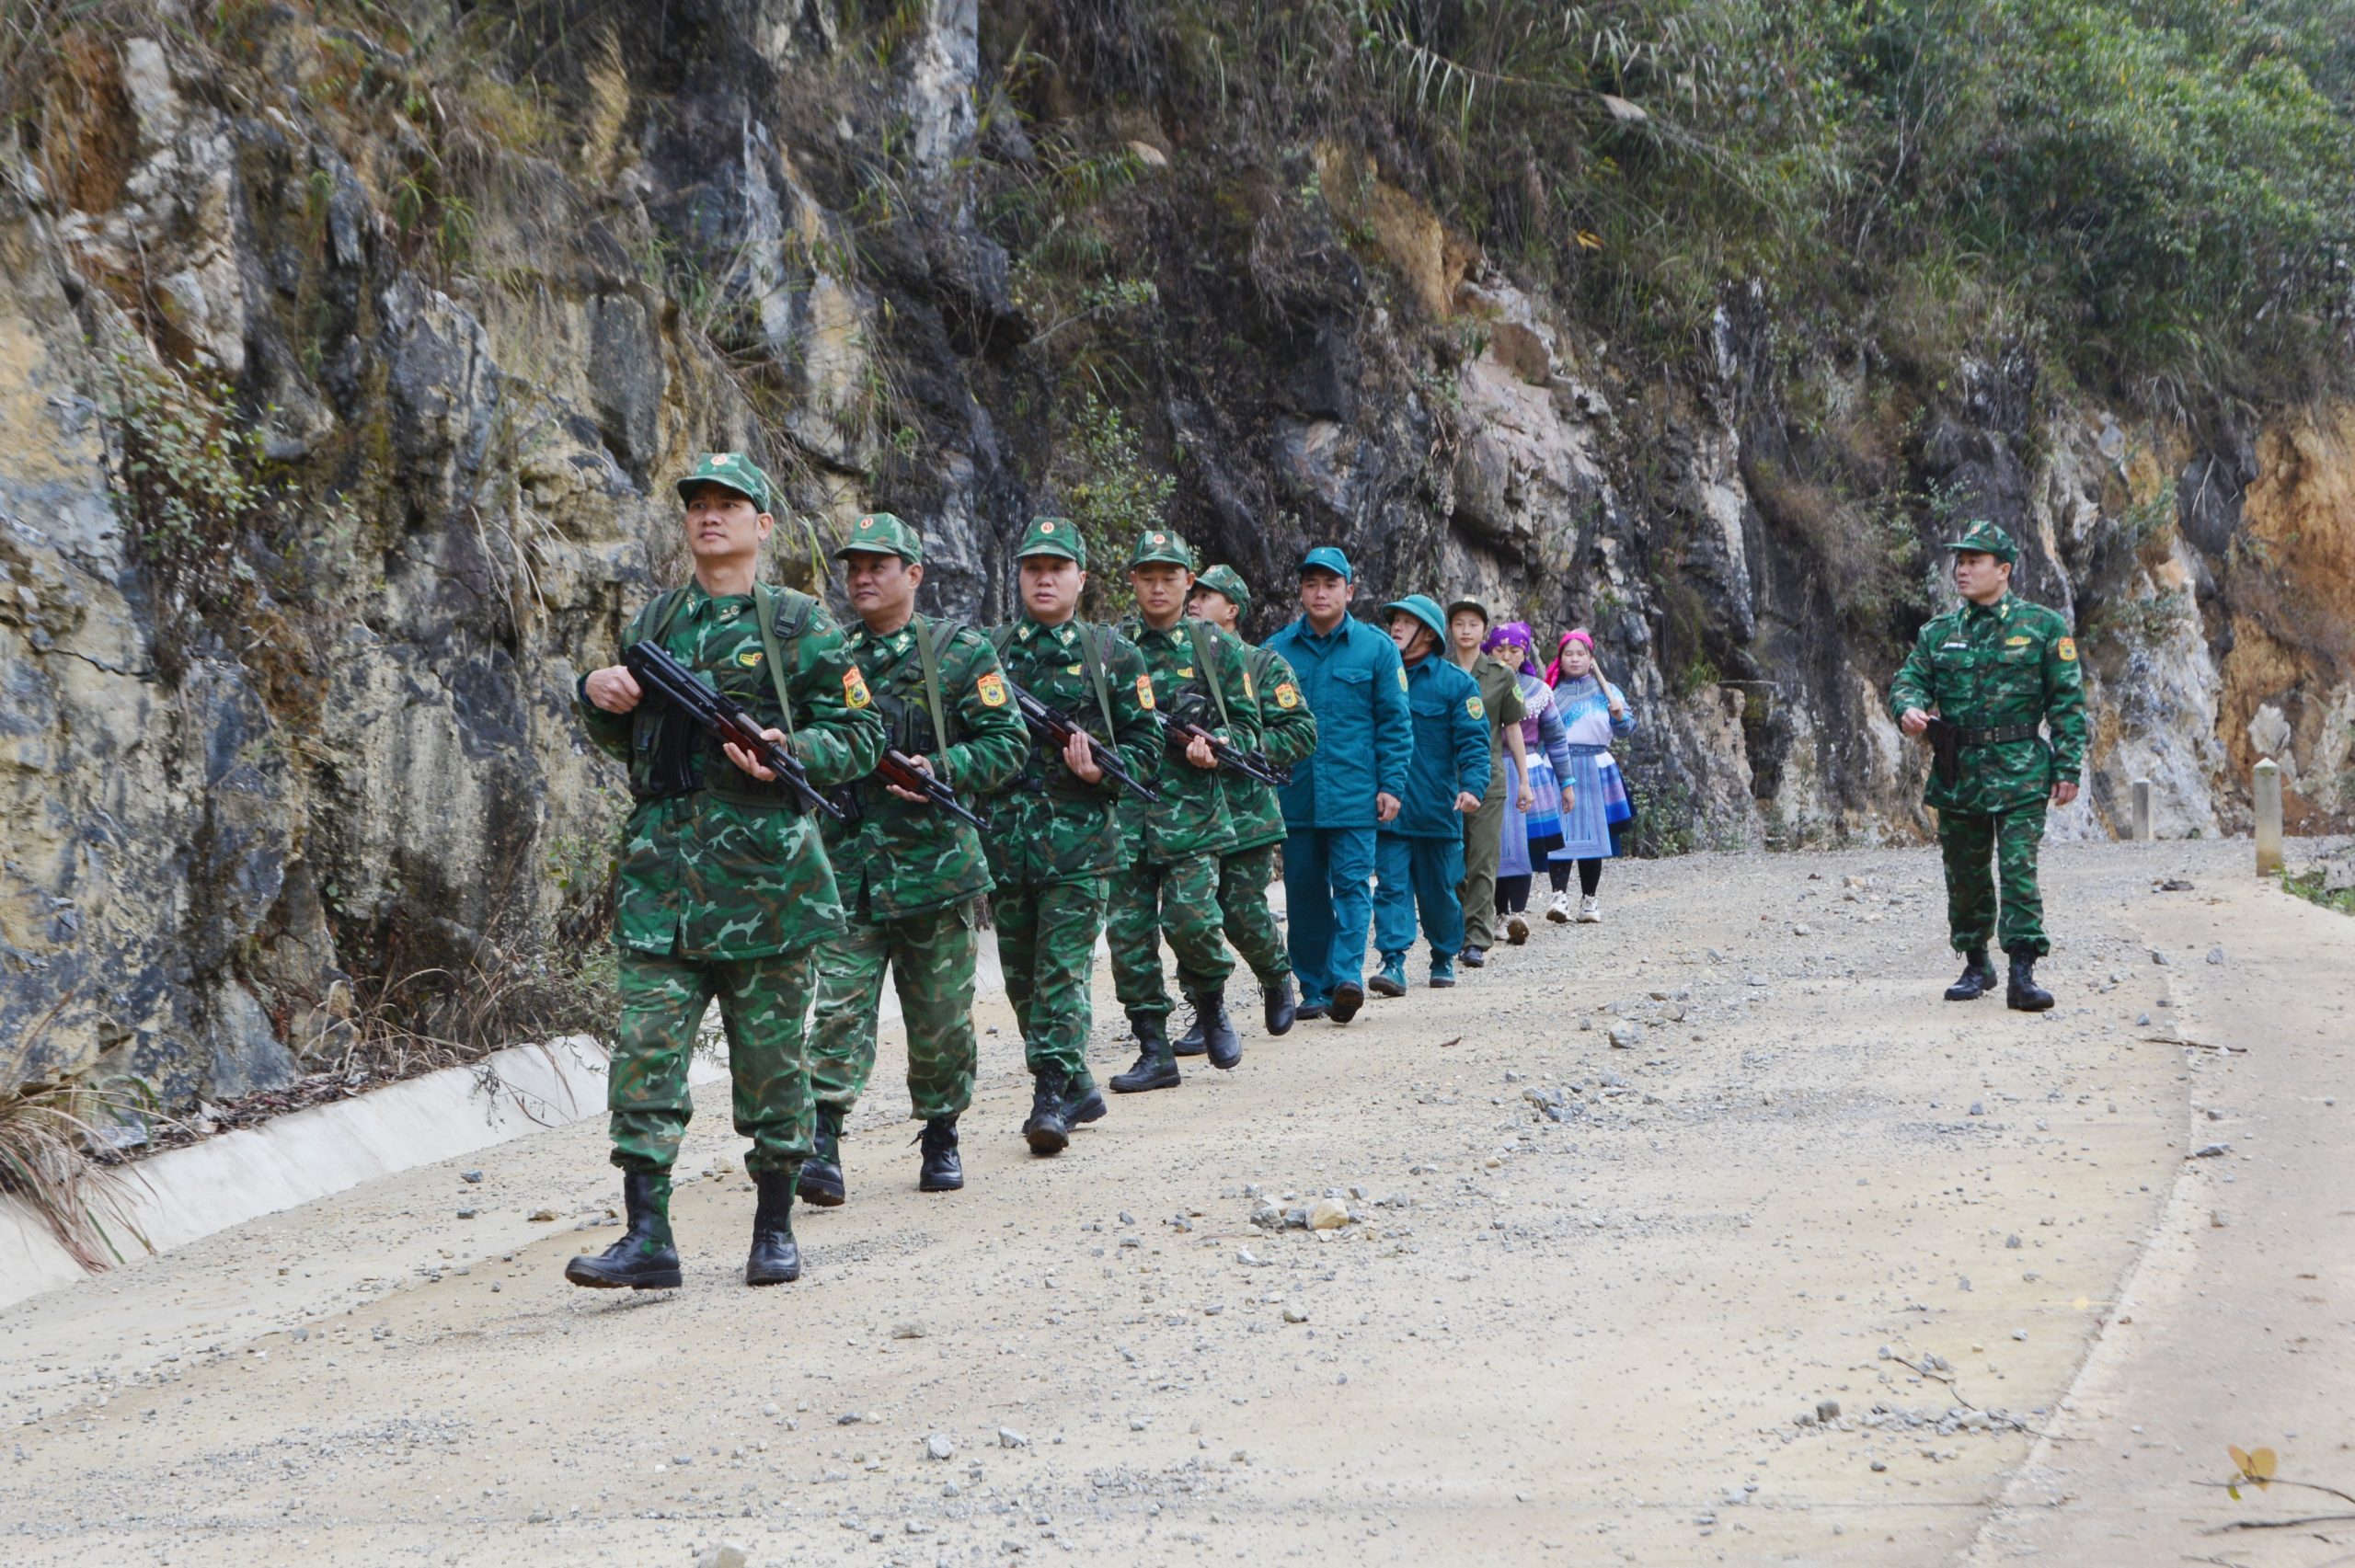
1054, 835
1991, 673
1170, 881
1272, 713
722, 886
911, 875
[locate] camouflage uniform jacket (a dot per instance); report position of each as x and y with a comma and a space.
898, 858
727, 867
1049, 825
1989, 666
1192, 817
1280, 729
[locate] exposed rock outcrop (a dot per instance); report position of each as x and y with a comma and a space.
276, 768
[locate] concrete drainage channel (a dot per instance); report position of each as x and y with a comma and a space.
177, 1198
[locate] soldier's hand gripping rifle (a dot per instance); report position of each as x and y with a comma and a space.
658, 674
1179, 732
899, 771
1057, 731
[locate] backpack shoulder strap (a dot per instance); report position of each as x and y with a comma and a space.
1095, 651
661, 612
1206, 660
784, 614
929, 655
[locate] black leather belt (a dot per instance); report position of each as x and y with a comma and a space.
1996, 735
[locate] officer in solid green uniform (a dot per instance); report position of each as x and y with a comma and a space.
911, 875
1980, 682
1169, 883
1467, 627
1055, 834
1272, 712
722, 888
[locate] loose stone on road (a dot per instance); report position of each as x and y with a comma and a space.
1709, 1234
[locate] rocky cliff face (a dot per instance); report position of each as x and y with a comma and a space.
342, 375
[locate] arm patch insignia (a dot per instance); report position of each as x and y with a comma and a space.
991, 689
1145, 693
2067, 650
854, 691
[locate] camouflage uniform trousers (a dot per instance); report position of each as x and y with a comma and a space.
931, 955
664, 999
1250, 925
1969, 839
1180, 899
1045, 946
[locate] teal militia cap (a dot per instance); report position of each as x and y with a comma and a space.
1225, 579
1160, 545
1423, 608
1054, 536
1329, 558
1985, 535
735, 470
881, 534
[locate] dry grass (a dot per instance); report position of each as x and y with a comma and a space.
54, 1157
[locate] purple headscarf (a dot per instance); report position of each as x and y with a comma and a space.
1514, 635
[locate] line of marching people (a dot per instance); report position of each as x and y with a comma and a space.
816, 804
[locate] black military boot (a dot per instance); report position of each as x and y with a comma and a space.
943, 1171
2024, 993
1049, 1128
1220, 1041
644, 1259
1157, 1068
1083, 1102
1189, 1043
776, 1258
822, 1175
1978, 977
1279, 1005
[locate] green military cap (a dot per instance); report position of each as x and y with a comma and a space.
1054, 536
1164, 545
1423, 608
735, 470
1474, 605
1226, 580
1985, 535
881, 534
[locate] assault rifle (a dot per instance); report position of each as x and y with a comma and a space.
1056, 729
1178, 732
899, 771
660, 674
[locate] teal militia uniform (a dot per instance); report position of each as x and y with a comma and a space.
723, 887
1418, 854
911, 876
1054, 837
1272, 719
1995, 672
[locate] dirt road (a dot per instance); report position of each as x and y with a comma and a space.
1589, 1305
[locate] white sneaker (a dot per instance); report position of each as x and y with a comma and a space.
1516, 928
1558, 911
1588, 913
